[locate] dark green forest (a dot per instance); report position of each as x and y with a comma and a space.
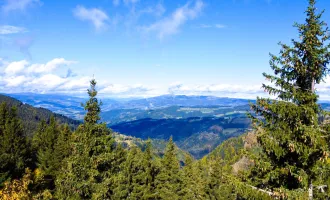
284, 156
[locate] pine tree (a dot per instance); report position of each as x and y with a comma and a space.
88, 173
92, 106
62, 147
293, 143
168, 180
47, 161
51, 144
14, 150
150, 172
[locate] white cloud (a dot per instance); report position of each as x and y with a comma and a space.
46, 82
21, 76
16, 67
15, 81
224, 90
6, 29
221, 90
171, 24
78, 85
96, 16
118, 89
18, 5
49, 66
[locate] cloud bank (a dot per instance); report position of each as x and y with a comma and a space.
56, 76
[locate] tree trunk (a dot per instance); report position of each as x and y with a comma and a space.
313, 85
310, 191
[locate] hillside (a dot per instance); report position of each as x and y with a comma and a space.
158, 146
31, 116
198, 136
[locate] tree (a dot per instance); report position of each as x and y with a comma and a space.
62, 147
92, 106
130, 181
88, 173
14, 151
150, 172
47, 161
193, 184
293, 143
168, 180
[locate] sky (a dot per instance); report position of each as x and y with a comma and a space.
142, 48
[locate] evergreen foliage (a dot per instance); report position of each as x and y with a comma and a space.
293, 143
168, 180
14, 147
193, 183
88, 173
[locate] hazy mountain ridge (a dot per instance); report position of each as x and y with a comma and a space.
173, 112
71, 106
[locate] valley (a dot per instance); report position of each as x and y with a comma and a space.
198, 124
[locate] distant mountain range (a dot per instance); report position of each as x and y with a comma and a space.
172, 112
71, 106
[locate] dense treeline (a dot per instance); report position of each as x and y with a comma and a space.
286, 157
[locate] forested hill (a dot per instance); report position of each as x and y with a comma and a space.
31, 116
196, 135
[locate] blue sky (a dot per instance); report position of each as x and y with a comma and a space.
144, 47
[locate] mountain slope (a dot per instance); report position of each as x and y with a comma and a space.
196, 135
31, 116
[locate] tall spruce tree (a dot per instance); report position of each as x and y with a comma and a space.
293, 143
88, 173
14, 149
